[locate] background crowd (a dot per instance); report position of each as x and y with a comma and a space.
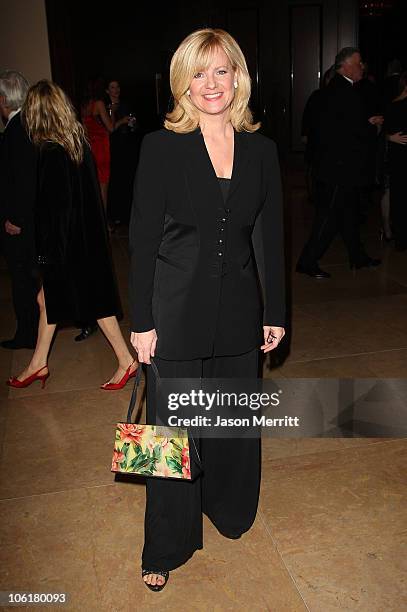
110, 129
355, 132
54, 230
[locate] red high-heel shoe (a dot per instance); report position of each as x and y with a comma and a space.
20, 384
119, 385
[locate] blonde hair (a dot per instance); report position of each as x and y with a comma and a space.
194, 54
49, 116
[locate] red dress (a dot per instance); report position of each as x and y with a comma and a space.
98, 138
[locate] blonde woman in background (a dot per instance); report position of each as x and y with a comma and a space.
76, 274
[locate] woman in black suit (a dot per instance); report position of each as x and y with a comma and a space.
76, 273
206, 221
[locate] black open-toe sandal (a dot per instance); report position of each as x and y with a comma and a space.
155, 587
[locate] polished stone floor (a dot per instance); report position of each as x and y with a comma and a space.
330, 532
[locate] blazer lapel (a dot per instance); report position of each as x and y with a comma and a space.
202, 181
240, 161
201, 178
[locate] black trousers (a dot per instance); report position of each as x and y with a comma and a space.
336, 211
19, 254
227, 490
398, 206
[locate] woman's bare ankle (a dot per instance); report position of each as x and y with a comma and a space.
127, 363
37, 365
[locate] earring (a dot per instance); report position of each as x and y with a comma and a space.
235, 84
188, 92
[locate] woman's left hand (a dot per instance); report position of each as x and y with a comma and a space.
272, 337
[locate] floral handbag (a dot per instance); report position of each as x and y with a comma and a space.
152, 450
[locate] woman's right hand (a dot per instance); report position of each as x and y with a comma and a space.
144, 343
399, 138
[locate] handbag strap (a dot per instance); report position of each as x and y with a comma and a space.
156, 372
137, 381
133, 399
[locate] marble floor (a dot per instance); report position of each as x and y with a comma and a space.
330, 532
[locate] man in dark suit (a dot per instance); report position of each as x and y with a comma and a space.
18, 175
340, 167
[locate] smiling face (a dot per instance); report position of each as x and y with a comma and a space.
212, 89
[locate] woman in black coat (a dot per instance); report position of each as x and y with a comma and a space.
206, 223
76, 273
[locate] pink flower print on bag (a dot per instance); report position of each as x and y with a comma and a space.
117, 458
129, 432
186, 469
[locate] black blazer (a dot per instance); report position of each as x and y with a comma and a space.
18, 171
193, 273
342, 136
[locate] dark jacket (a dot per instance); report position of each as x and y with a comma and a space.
390, 89
193, 270
71, 239
396, 121
18, 169
310, 118
341, 141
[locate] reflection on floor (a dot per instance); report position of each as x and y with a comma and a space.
330, 530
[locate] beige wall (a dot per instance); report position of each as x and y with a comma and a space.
24, 38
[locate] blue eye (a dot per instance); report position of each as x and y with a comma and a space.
222, 72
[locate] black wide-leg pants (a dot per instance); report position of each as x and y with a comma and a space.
227, 490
